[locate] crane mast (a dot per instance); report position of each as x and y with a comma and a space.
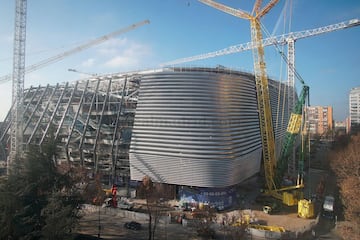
263, 100
261, 81
16, 135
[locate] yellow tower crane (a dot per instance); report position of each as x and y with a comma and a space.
261, 80
263, 99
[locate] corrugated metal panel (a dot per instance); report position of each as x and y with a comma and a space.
196, 128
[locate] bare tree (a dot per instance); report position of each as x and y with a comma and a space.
203, 220
345, 163
236, 224
152, 196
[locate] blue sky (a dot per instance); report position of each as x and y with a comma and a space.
328, 63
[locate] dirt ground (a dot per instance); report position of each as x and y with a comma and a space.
107, 224
112, 227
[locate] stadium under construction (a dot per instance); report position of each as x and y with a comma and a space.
194, 128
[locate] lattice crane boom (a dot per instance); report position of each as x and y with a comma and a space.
263, 100
288, 39
77, 49
232, 11
256, 8
278, 40
266, 9
16, 133
261, 81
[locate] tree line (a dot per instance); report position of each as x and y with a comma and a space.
345, 163
37, 201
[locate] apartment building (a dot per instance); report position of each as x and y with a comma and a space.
319, 120
354, 107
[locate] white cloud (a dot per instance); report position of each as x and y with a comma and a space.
5, 103
7, 38
112, 46
121, 62
88, 63
35, 79
122, 54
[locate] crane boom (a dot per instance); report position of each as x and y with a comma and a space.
232, 11
87, 45
263, 100
279, 40
292, 131
261, 81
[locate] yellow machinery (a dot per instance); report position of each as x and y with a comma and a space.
267, 228
289, 195
305, 208
108, 192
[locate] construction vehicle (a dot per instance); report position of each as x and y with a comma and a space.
258, 230
306, 208
289, 195
328, 207
265, 232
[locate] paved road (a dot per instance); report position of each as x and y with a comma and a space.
112, 227
325, 229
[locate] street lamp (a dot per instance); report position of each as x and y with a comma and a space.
74, 70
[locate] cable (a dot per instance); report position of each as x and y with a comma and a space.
297, 75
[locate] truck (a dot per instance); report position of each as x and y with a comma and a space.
328, 207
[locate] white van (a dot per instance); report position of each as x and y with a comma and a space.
328, 207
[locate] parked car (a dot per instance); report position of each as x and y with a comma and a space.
107, 202
132, 225
124, 204
121, 203
328, 207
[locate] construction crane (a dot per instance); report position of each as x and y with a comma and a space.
77, 49
19, 70
18, 76
261, 81
293, 129
288, 195
288, 39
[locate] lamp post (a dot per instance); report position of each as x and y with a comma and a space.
76, 71
99, 223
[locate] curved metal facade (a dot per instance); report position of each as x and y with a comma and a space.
198, 127
195, 127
